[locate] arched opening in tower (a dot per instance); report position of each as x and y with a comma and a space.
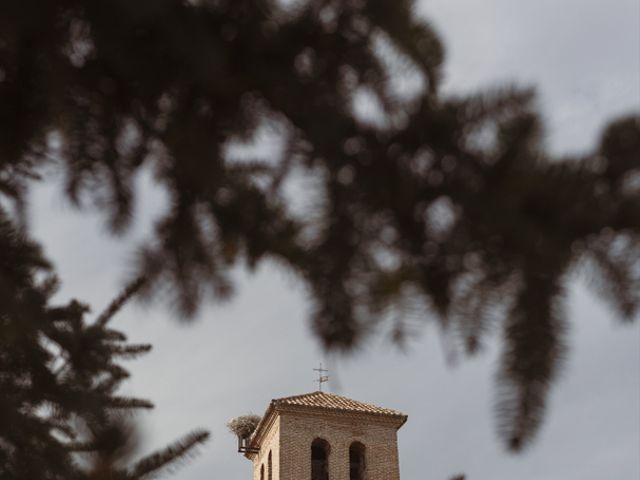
319, 460
356, 461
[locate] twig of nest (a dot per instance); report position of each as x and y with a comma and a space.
243, 426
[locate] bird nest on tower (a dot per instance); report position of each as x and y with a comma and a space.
243, 426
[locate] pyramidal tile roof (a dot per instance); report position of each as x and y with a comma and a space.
318, 402
331, 401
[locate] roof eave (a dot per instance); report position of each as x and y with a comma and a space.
398, 419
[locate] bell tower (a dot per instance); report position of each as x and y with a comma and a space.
322, 436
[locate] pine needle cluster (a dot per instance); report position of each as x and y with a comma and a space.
452, 202
61, 416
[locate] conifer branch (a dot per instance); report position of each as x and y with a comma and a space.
129, 291
170, 457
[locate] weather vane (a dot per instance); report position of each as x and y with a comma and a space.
322, 378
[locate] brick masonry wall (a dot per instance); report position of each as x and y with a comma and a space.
293, 432
271, 443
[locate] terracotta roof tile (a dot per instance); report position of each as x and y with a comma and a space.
331, 401
321, 401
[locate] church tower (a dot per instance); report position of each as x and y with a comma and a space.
322, 436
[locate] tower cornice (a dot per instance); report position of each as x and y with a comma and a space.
323, 404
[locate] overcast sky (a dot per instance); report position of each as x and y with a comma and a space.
584, 58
